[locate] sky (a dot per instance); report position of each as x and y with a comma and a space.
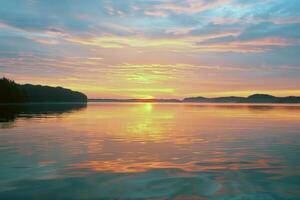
153, 48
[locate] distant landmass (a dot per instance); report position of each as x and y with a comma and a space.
11, 92
256, 98
136, 100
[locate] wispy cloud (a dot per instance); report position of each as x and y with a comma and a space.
190, 6
152, 47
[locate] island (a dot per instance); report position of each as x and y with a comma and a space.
255, 98
12, 92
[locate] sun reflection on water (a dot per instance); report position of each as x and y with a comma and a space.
203, 143
141, 136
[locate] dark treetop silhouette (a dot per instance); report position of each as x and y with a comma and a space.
11, 92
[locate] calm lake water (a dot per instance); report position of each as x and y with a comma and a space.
150, 151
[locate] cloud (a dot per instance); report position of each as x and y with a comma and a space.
155, 13
138, 43
190, 6
122, 42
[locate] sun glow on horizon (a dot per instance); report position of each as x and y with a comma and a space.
153, 49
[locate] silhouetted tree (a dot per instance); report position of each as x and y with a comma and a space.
11, 92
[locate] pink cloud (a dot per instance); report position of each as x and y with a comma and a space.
155, 13
190, 6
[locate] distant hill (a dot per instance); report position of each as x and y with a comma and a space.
135, 100
255, 98
11, 92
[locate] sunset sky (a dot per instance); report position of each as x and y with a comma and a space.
153, 48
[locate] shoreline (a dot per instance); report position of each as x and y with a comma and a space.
136, 102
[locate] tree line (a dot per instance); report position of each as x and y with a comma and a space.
11, 92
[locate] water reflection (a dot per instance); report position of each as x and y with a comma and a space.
10, 112
144, 150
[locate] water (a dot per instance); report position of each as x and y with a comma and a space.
150, 151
